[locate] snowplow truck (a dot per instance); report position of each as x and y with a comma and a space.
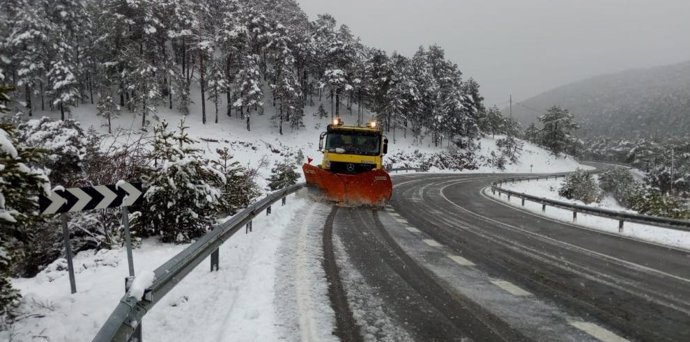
351, 171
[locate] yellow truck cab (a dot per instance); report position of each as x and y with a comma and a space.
352, 149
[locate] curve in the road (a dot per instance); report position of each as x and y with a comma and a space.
638, 290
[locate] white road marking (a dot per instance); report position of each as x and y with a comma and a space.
460, 260
413, 230
598, 332
400, 220
510, 287
572, 246
432, 242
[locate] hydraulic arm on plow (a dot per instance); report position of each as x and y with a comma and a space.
351, 171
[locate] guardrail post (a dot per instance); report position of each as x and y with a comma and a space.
508, 197
248, 227
215, 256
620, 226
268, 210
574, 215
543, 207
523, 201
68, 254
136, 336
284, 200
128, 240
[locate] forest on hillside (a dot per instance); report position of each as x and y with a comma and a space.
649, 103
137, 56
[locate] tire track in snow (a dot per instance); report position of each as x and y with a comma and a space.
346, 328
301, 292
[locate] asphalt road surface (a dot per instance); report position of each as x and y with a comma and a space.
443, 262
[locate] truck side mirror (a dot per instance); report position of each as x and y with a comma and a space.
385, 146
323, 135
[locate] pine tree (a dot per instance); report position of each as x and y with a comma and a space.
532, 133
65, 145
580, 185
249, 89
107, 106
283, 175
238, 188
28, 46
557, 132
20, 186
181, 199
63, 83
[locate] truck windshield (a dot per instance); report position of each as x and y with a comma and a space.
363, 144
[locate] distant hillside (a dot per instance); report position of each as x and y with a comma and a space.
635, 103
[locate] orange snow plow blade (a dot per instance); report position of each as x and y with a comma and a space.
367, 188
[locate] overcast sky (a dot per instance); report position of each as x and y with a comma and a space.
523, 47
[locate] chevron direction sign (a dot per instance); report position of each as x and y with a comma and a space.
123, 194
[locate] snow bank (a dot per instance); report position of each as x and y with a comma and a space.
235, 303
141, 282
549, 189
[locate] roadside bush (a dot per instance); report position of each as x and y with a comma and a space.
651, 201
620, 183
580, 185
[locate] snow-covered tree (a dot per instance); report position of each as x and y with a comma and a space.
65, 144
532, 133
557, 131
181, 199
248, 85
63, 92
20, 185
238, 188
283, 174
582, 186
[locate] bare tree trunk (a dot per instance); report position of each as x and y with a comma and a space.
27, 89
248, 123
91, 88
202, 71
184, 58
332, 105
143, 113
110, 127
280, 129
229, 109
122, 87
62, 112
43, 107
216, 104
337, 102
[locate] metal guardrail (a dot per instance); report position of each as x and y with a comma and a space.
576, 208
125, 321
415, 169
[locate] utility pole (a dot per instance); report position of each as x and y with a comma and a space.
511, 106
672, 166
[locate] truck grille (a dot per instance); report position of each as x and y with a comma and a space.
351, 168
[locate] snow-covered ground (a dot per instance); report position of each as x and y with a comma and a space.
241, 302
533, 159
549, 189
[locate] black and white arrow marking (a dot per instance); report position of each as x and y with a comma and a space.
123, 194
